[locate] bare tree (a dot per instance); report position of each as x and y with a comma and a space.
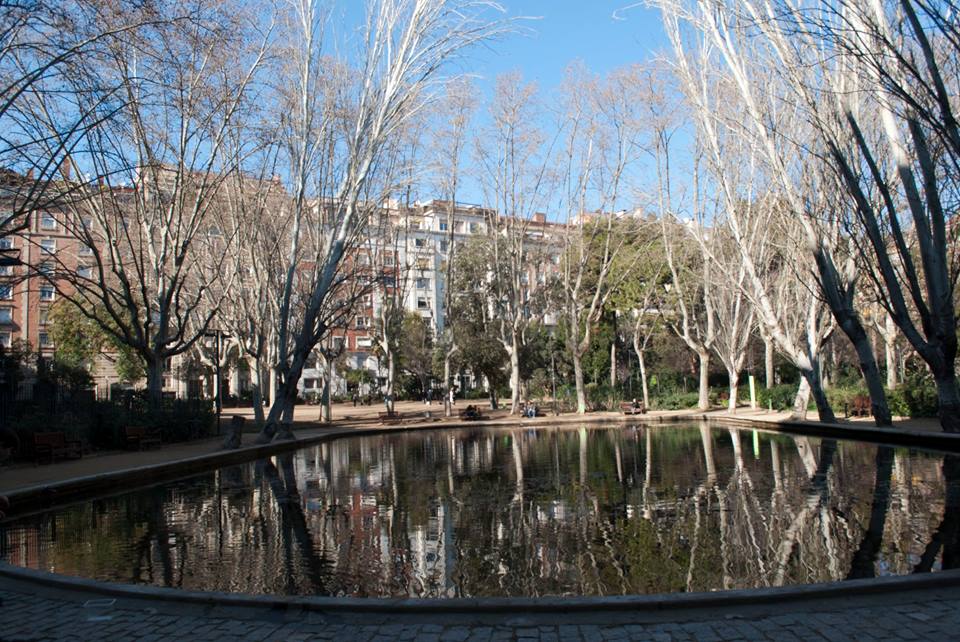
40, 43
514, 157
456, 111
600, 122
155, 139
873, 81
404, 45
785, 300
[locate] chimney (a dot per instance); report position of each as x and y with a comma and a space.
539, 217
66, 168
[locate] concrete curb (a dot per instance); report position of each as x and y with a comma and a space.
650, 603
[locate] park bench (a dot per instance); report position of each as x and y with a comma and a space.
861, 406
390, 417
138, 438
53, 445
471, 413
627, 408
537, 412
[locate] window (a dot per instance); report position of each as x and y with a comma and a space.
363, 259
6, 270
86, 222
338, 344
423, 303
44, 316
389, 281
84, 250
423, 283
6, 314
423, 264
5, 339
420, 242
47, 293
48, 246
310, 384
46, 268
443, 245
388, 259
364, 342
85, 271
45, 341
6, 243
443, 226
47, 221
363, 323
6, 291
474, 228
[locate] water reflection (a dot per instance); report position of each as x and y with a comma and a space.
576, 511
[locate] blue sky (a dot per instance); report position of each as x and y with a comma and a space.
603, 34
569, 30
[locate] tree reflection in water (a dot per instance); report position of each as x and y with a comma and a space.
592, 511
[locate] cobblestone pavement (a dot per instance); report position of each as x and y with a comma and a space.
46, 614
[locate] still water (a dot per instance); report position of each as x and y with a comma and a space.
516, 512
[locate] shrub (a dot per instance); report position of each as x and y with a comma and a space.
841, 397
779, 397
915, 397
677, 401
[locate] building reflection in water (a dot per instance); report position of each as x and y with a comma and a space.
561, 511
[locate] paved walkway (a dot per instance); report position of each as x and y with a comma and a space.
48, 614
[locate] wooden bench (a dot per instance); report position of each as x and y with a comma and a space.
138, 438
390, 417
51, 445
471, 413
861, 406
537, 412
627, 408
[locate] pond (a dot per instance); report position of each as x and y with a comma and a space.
518, 512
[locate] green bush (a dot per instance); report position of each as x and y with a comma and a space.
677, 401
778, 397
841, 397
601, 396
915, 397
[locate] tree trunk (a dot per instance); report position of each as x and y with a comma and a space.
613, 364
871, 373
274, 384
515, 377
643, 379
155, 382
802, 400
768, 361
256, 379
391, 377
948, 397
890, 352
703, 401
578, 380
447, 386
824, 411
734, 383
